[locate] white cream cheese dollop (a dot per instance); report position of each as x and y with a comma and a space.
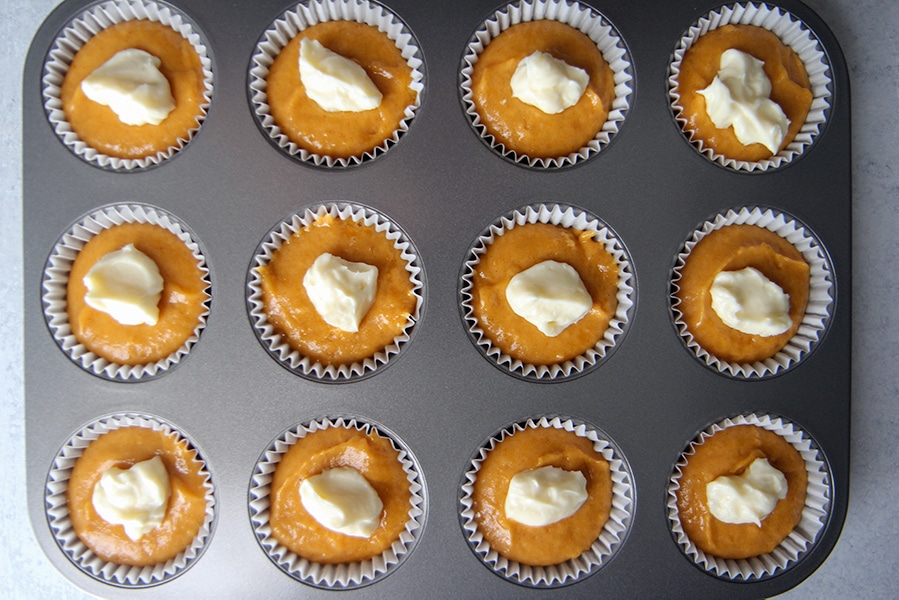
748, 301
550, 295
739, 96
335, 83
126, 285
341, 291
543, 496
135, 498
550, 84
131, 84
747, 498
342, 500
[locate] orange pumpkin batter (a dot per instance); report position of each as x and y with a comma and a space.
186, 510
374, 458
292, 314
99, 127
341, 134
557, 542
180, 307
522, 247
524, 128
790, 86
729, 453
733, 248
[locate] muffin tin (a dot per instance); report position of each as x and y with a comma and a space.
442, 186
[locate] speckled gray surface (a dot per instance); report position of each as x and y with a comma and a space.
864, 562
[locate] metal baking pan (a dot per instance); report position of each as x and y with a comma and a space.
443, 186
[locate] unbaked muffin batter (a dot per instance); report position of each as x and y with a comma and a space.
522, 247
341, 134
524, 128
557, 542
180, 307
99, 127
732, 248
790, 87
374, 458
291, 312
729, 452
186, 510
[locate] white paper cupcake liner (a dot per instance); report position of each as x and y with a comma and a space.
568, 217
798, 542
818, 312
83, 557
313, 12
611, 538
278, 346
86, 25
588, 21
56, 280
793, 33
339, 576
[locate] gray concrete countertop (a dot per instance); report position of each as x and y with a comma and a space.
864, 562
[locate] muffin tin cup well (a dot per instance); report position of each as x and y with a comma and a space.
793, 33
305, 15
277, 345
56, 503
88, 23
799, 542
818, 312
567, 217
611, 538
586, 20
56, 278
338, 576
